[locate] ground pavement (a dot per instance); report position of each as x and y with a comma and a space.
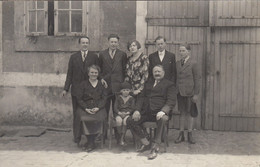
56, 149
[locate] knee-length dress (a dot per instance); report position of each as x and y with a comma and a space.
90, 97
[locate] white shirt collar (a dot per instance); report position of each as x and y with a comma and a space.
161, 53
82, 52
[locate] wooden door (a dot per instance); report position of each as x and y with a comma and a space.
233, 98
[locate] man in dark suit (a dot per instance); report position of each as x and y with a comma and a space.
188, 88
155, 103
164, 58
113, 64
77, 72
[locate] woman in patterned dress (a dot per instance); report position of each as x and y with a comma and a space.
136, 67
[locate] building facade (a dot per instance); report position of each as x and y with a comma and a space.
38, 37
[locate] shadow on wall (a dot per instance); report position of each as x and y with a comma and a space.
35, 106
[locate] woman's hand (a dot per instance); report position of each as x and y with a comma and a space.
89, 111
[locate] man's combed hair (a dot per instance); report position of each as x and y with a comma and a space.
84, 37
113, 36
160, 37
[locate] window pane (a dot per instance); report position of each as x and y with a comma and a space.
40, 5
63, 21
76, 21
76, 5
63, 5
40, 21
32, 21
31, 5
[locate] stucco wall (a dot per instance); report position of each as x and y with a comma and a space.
32, 79
35, 106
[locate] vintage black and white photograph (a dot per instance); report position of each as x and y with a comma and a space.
119, 83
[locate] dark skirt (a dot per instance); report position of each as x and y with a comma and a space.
91, 123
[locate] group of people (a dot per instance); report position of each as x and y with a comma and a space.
140, 88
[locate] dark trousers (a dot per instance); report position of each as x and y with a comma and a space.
76, 123
111, 97
137, 129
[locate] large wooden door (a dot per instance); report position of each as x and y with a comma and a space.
234, 104
178, 22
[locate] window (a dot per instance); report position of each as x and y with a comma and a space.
59, 18
36, 21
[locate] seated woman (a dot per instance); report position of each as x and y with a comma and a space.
124, 107
91, 99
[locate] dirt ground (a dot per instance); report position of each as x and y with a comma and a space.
56, 149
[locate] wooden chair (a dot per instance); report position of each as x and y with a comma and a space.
152, 130
85, 118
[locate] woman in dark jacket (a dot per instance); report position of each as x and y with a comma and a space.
91, 99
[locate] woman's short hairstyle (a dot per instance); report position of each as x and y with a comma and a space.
133, 41
96, 67
186, 45
84, 37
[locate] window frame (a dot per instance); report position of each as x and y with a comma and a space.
84, 20
26, 14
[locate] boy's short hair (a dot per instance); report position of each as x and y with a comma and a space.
186, 45
125, 85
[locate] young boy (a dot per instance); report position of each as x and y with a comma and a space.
124, 107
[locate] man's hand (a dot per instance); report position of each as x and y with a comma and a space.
195, 98
159, 115
63, 93
136, 92
104, 83
136, 116
94, 110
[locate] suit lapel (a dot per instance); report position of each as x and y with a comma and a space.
107, 58
79, 61
116, 60
187, 64
165, 58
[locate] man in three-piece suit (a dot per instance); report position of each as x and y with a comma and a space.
188, 88
113, 64
164, 58
155, 103
77, 72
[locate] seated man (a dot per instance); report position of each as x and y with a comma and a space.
153, 104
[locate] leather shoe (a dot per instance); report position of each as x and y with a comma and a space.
143, 148
152, 155
190, 138
180, 138
91, 147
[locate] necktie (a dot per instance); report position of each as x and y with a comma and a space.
155, 83
112, 53
85, 55
182, 62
